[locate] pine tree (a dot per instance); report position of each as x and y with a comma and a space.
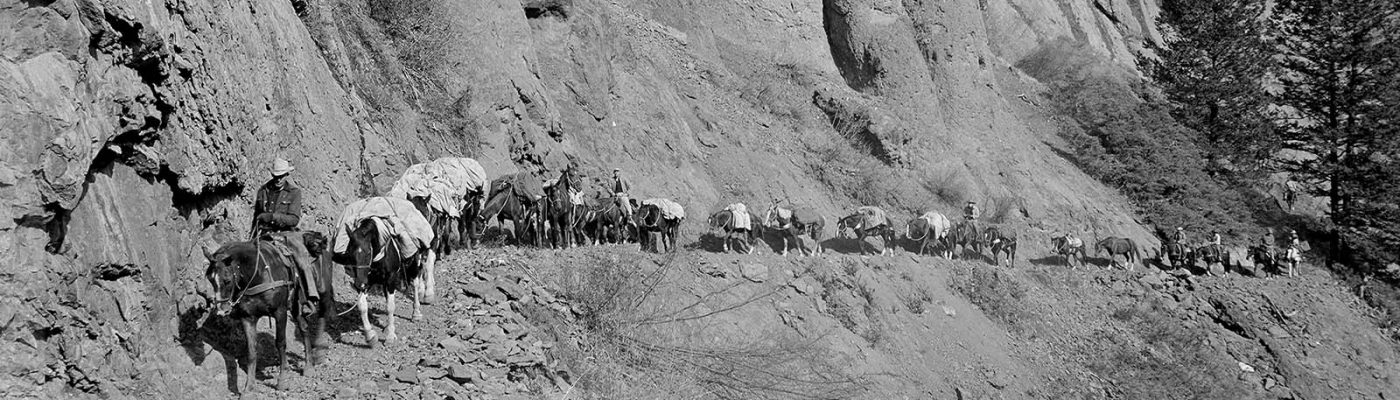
1338, 108
1213, 70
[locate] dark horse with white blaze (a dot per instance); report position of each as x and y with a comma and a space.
376, 262
723, 220
252, 280
1119, 246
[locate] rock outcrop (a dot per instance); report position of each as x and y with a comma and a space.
136, 132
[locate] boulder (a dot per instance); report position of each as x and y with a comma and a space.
487, 292
452, 344
754, 272
463, 373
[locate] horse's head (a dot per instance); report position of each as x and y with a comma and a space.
364, 239
223, 273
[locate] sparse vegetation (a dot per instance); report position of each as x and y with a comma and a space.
642, 346
1001, 298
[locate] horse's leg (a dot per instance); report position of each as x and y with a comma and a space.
280, 316
426, 282
250, 371
417, 307
389, 335
362, 301
419, 283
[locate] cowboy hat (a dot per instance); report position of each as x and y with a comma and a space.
281, 167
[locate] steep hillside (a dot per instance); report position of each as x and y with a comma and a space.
136, 132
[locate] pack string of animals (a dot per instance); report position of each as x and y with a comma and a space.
391, 242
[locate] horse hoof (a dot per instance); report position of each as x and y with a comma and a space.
281, 384
371, 339
390, 338
416, 317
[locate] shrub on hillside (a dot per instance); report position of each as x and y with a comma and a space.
1133, 144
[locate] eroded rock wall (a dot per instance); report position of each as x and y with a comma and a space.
136, 132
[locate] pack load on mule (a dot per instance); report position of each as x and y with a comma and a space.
669, 209
394, 216
522, 184
446, 182
874, 217
660, 216
741, 215
929, 229
793, 222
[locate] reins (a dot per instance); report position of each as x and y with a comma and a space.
258, 266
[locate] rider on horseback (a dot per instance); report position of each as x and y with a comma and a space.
971, 213
1180, 236
276, 213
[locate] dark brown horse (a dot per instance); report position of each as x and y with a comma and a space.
252, 280
651, 219
857, 223
558, 209
504, 204
723, 221
964, 235
1177, 255
1000, 243
374, 261
1119, 246
609, 223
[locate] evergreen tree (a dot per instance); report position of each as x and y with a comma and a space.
1213, 69
1338, 107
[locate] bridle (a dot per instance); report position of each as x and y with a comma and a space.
260, 268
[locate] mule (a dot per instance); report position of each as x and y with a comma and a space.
651, 219
964, 235
723, 221
445, 232
1119, 246
796, 224
252, 280
503, 205
856, 224
926, 231
558, 209
1000, 244
377, 262
1069, 247
609, 222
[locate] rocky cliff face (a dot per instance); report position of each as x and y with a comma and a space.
136, 132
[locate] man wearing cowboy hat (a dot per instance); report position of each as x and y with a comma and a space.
1180, 236
971, 212
276, 213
